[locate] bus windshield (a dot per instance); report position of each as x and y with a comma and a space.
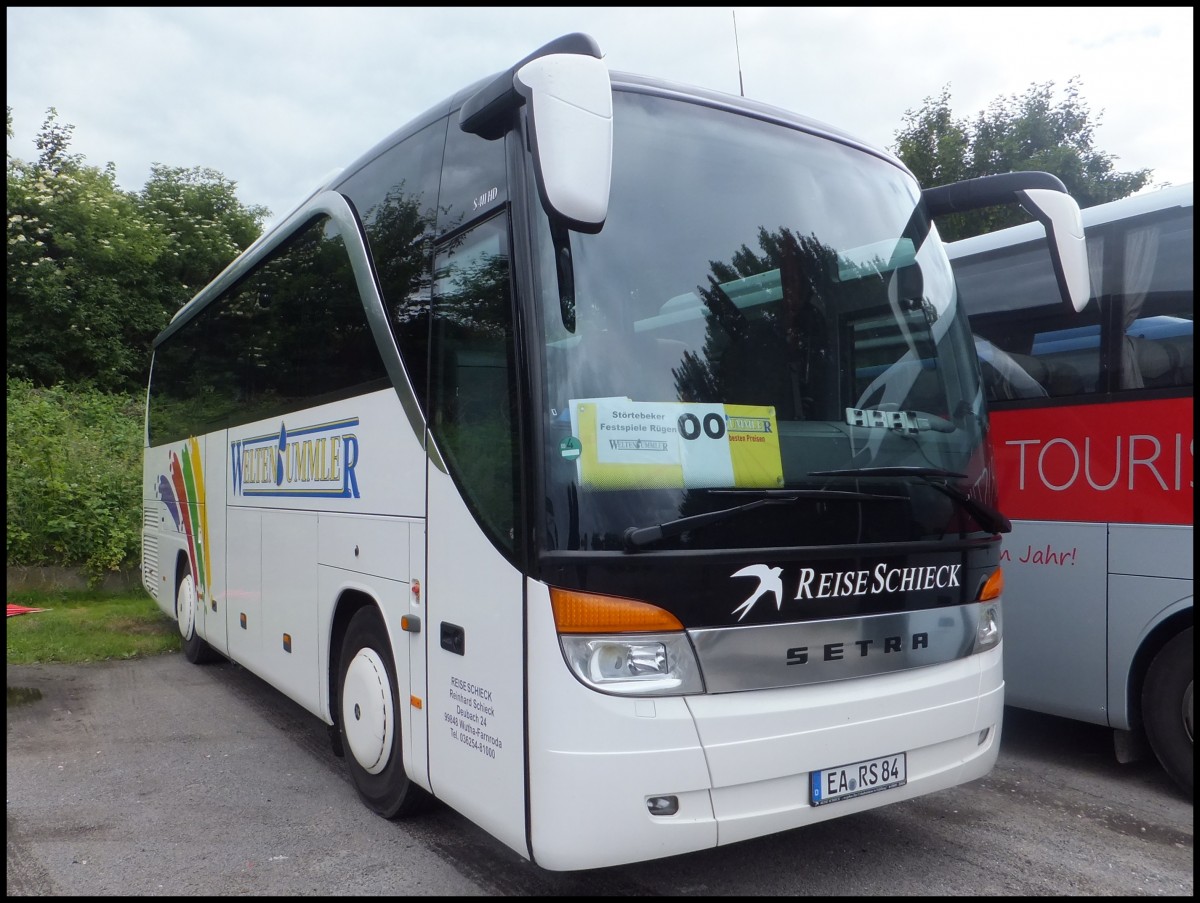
763, 305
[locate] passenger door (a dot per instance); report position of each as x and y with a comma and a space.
474, 605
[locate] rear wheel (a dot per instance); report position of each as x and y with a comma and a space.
187, 610
1167, 709
368, 710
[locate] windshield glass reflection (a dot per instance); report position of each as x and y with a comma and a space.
761, 304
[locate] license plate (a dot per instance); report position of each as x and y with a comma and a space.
831, 785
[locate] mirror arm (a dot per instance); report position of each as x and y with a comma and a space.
986, 191
485, 113
1044, 197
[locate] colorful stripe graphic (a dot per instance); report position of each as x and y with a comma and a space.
187, 482
202, 497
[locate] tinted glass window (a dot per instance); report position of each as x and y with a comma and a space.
396, 197
1136, 333
763, 305
472, 382
290, 335
474, 179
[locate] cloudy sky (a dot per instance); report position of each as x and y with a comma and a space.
275, 99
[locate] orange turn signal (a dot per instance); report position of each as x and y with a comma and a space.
578, 612
993, 587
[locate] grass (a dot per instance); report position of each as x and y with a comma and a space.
86, 626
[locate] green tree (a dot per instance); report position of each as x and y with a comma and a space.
1030, 131
205, 224
80, 258
95, 272
73, 477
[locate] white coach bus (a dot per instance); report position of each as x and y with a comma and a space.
604, 458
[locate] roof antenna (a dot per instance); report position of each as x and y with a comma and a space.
741, 87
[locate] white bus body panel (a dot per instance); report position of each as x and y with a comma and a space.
282, 549
284, 524
1149, 579
1150, 550
1055, 600
244, 595
474, 702
214, 624
739, 763
416, 741
1082, 597
289, 603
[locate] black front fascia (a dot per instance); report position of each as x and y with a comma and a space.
770, 586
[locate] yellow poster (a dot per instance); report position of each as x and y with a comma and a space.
628, 444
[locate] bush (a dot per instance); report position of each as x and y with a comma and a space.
74, 478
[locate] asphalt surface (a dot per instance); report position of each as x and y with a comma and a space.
157, 777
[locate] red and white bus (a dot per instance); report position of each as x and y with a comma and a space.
1091, 418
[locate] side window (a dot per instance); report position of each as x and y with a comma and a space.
474, 179
290, 335
472, 381
294, 332
396, 198
1150, 282
185, 397
1030, 346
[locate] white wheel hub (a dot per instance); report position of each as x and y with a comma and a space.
368, 718
185, 607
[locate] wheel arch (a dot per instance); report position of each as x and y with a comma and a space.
1158, 636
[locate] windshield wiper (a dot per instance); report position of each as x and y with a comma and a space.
987, 516
636, 537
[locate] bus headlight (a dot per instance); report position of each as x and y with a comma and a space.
642, 665
988, 631
624, 646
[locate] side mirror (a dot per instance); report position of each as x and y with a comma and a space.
566, 86
1046, 199
571, 130
1059, 214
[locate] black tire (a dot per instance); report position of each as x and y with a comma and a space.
368, 705
195, 649
1167, 709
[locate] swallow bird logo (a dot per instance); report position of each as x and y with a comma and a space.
769, 581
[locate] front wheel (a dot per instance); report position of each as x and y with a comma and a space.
368, 709
1167, 709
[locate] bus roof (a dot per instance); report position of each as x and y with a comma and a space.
630, 81
620, 80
